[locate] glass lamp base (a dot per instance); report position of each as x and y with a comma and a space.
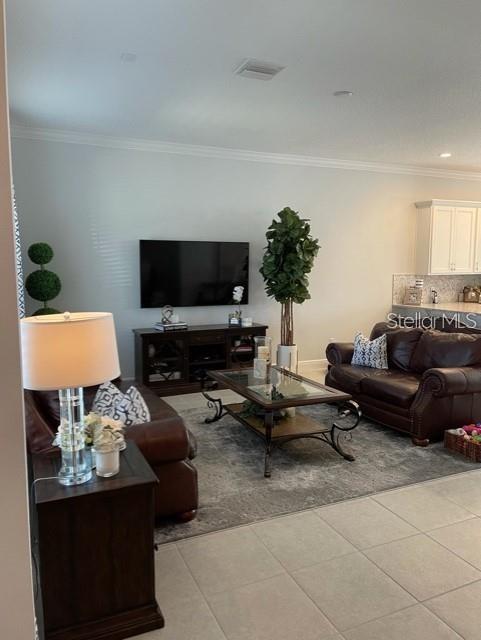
75, 468
69, 480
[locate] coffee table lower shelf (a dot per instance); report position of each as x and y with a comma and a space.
278, 432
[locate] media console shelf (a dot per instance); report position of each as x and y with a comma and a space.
175, 362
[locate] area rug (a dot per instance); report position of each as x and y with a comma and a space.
305, 473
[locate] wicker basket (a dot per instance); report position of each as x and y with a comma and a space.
471, 450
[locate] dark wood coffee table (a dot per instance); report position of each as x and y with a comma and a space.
280, 390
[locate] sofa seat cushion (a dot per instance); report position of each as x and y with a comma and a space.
393, 387
348, 377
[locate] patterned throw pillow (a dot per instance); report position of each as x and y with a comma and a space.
134, 406
370, 353
130, 407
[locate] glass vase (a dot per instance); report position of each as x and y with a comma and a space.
263, 348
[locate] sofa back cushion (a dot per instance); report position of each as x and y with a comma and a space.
401, 344
440, 349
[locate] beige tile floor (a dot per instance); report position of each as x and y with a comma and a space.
399, 565
365, 569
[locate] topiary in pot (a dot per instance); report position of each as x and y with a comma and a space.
288, 258
42, 284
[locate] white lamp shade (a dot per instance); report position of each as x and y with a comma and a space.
62, 351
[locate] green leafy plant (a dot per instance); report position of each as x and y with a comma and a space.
42, 284
288, 258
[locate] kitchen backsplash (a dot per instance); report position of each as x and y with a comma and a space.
448, 287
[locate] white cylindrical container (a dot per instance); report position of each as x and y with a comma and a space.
287, 357
107, 461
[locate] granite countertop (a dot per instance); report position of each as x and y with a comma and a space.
460, 307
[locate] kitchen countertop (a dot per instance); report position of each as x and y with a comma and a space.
460, 307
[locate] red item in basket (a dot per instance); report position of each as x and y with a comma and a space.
470, 428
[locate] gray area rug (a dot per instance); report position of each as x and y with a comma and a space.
305, 473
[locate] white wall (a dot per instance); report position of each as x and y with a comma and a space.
93, 204
16, 601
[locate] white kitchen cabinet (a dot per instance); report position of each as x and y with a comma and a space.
477, 244
448, 237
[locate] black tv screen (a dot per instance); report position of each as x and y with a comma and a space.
190, 274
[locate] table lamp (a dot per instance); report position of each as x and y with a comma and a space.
67, 352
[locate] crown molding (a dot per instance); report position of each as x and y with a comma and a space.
157, 146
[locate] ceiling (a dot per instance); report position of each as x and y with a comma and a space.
414, 67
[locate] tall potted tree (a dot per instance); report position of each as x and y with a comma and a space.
288, 258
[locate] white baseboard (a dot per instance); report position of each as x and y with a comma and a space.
313, 365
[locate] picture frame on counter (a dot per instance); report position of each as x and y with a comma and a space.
413, 296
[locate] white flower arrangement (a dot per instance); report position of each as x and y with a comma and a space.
102, 431
99, 432
237, 294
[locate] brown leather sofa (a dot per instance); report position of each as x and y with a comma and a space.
164, 441
433, 381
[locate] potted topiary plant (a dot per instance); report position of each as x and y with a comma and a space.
42, 284
288, 258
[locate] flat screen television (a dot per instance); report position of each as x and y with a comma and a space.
191, 274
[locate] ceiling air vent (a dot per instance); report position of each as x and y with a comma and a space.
258, 70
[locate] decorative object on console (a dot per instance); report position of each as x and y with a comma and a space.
129, 407
235, 318
288, 258
68, 352
171, 326
167, 313
246, 322
370, 353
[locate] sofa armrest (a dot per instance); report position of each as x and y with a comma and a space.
161, 441
339, 352
39, 434
453, 381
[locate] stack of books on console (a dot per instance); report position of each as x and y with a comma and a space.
171, 326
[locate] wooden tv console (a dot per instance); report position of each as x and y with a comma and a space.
175, 362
